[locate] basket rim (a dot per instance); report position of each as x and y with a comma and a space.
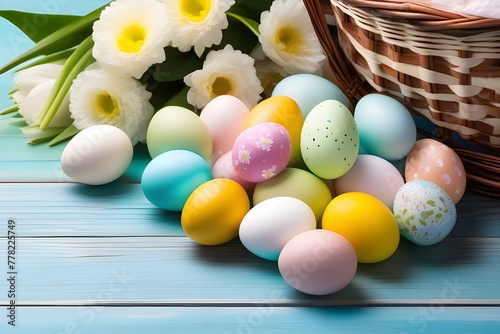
425, 16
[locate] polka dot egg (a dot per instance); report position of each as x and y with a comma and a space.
329, 140
261, 151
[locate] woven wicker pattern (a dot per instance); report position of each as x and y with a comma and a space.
441, 65
454, 81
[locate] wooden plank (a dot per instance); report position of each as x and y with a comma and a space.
121, 209
118, 209
256, 319
176, 271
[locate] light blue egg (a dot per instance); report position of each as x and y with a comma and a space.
424, 212
171, 177
386, 127
308, 90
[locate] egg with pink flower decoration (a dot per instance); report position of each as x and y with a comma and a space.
261, 151
433, 161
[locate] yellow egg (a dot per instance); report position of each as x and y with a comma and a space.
213, 212
366, 222
284, 111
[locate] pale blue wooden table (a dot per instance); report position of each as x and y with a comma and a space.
104, 260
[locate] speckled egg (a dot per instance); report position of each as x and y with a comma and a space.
424, 212
435, 162
329, 140
261, 151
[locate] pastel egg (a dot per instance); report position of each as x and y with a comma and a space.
372, 175
269, 225
282, 110
169, 179
435, 162
261, 151
224, 116
318, 262
178, 128
366, 222
329, 141
386, 127
298, 183
308, 90
97, 155
208, 219
223, 168
424, 212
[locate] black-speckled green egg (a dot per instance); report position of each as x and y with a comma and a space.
329, 140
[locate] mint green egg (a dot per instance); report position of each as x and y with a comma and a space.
329, 141
178, 128
297, 183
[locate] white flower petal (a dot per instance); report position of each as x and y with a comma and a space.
102, 96
224, 72
131, 35
197, 23
288, 38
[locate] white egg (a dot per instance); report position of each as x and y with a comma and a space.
269, 225
97, 155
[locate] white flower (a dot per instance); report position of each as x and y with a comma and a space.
99, 95
197, 23
269, 173
265, 143
32, 89
288, 38
244, 155
224, 72
131, 35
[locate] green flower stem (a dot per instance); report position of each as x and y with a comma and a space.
9, 110
249, 23
75, 64
69, 132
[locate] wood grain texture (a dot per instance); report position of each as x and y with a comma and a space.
105, 260
256, 319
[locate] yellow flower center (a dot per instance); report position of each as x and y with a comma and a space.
131, 38
289, 38
195, 10
106, 105
220, 86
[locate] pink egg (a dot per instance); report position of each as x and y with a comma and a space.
261, 151
224, 117
433, 161
372, 175
318, 262
223, 168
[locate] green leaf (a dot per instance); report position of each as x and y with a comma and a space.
177, 65
251, 9
68, 133
180, 100
237, 35
249, 23
75, 64
51, 58
36, 136
62, 39
9, 110
37, 26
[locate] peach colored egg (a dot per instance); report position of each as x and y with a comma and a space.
223, 168
433, 161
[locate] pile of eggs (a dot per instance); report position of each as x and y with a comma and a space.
303, 179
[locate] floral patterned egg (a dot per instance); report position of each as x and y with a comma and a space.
261, 151
433, 161
424, 212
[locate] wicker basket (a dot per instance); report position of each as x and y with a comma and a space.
443, 66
